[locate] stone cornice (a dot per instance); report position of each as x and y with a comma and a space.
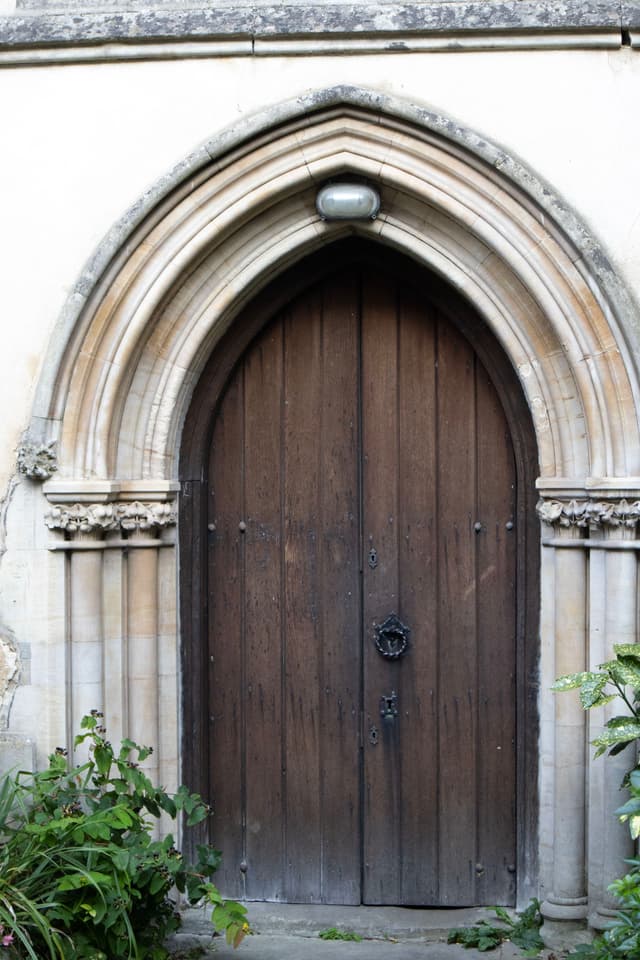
106, 517
41, 31
586, 513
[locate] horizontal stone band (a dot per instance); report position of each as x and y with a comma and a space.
585, 513
103, 517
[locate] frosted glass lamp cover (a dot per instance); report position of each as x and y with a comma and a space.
347, 201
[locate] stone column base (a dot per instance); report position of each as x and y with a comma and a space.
564, 934
602, 917
565, 924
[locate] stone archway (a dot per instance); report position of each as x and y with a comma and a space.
135, 347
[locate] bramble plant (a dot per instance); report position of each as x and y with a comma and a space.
81, 877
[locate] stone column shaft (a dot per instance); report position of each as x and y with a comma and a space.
86, 664
568, 898
620, 627
142, 647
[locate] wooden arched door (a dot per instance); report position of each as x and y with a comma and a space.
362, 616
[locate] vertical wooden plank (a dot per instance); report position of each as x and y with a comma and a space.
302, 653
457, 679
195, 652
263, 587
223, 672
496, 730
418, 557
340, 594
381, 841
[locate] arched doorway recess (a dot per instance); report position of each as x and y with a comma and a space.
136, 338
365, 463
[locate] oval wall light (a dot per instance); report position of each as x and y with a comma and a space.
347, 201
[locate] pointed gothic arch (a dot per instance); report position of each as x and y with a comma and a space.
150, 309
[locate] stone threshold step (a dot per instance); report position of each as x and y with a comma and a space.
378, 923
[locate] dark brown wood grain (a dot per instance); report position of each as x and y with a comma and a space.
226, 657
358, 415
418, 568
380, 516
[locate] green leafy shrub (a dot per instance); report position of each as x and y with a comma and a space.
524, 931
81, 876
617, 679
621, 939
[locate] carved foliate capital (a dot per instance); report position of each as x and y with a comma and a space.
145, 516
82, 518
585, 513
37, 461
104, 517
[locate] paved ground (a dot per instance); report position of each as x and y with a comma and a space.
260, 947
290, 932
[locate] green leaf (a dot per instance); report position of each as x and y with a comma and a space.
627, 650
157, 883
626, 671
197, 815
572, 681
103, 757
632, 806
618, 730
591, 690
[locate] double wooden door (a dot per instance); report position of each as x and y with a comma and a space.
362, 608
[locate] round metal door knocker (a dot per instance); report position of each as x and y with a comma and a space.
392, 638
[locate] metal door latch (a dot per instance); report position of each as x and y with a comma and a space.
389, 707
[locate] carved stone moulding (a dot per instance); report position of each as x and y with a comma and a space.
105, 517
589, 513
37, 461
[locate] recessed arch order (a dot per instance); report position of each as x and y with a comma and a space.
118, 397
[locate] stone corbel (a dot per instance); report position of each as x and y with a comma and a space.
38, 461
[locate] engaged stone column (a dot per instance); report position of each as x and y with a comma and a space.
604, 531
620, 620
565, 908
84, 526
141, 523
